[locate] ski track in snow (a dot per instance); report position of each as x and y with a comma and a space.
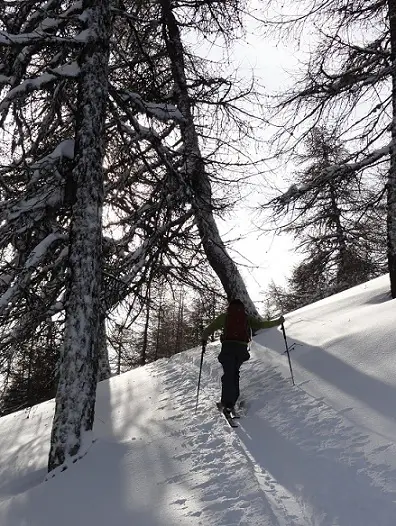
220, 462
291, 450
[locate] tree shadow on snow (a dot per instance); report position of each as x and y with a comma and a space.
298, 442
25, 440
325, 365
326, 464
120, 481
379, 298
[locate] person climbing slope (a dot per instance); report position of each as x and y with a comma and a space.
237, 332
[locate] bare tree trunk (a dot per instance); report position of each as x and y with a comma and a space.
341, 273
119, 354
29, 378
104, 371
146, 328
391, 184
179, 324
159, 325
75, 399
201, 201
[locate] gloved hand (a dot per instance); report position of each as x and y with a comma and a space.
281, 320
204, 342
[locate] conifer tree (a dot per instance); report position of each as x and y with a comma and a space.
340, 232
348, 82
93, 123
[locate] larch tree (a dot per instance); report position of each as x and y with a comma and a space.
76, 394
193, 160
337, 221
348, 83
92, 107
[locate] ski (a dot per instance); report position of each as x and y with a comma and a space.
230, 420
235, 414
228, 416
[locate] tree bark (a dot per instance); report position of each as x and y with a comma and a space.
201, 199
75, 399
104, 371
391, 183
143, 356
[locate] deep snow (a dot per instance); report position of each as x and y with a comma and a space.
321, 453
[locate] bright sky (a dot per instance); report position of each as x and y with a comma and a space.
268, 256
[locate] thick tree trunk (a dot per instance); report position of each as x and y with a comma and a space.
201, 201
391, 184
75, 399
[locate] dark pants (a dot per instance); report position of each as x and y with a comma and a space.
231, 357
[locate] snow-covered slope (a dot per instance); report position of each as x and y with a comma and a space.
321, 453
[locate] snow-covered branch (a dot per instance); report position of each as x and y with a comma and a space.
33, 261
329, 173
67, 71
38, 254
64, 150
162, 112
39, 30
34, 206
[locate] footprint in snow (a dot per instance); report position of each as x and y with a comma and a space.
195, 513
179, 502
382, 448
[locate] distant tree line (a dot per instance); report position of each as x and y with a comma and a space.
170, 322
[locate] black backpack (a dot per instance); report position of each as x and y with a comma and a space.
236, 326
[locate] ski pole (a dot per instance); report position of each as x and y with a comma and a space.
288, 353
200, 372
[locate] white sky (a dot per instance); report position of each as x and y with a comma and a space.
269, 256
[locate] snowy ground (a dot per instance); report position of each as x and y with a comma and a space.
322, 453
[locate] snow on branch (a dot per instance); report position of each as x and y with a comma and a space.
162, 111
329, 173
41, 249
380, 154
68, 71
26, 87
23, 39
139, 132
4, 79
37, 15
48, 163
33, 261
64, 150
40, 34
71, 70
34, 38
37, 203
